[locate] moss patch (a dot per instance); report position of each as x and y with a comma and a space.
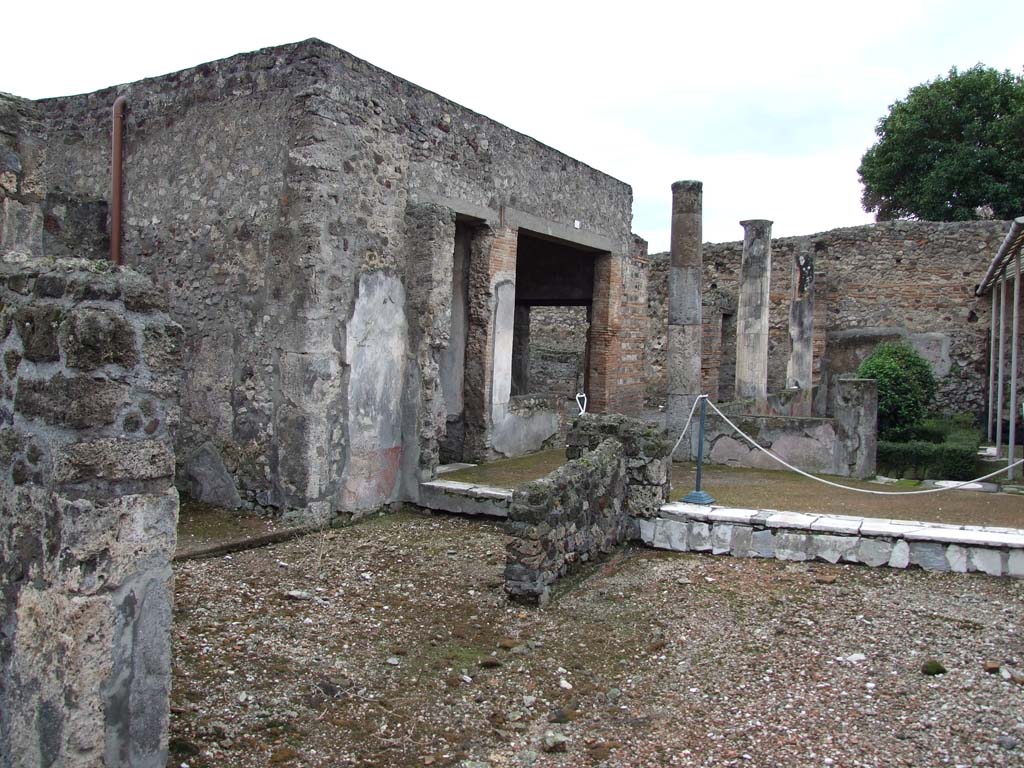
511, 473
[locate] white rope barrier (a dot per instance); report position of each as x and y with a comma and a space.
688, 420
799, 471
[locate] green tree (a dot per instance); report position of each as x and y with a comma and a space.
951, 150
906, 388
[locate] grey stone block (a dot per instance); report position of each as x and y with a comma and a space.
721, 538
1015, 563
742, 540
678, 535
762, 544
900, 557
699, 537
986, 560
792, 546
874, 552
928, 555
832, 548
209, 480
647, 528
956, 556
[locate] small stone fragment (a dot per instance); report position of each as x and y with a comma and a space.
1007, 742
562, 715
933, 667
992, 667
555, 742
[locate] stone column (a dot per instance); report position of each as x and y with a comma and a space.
856, 421
684, 316
799, 369
752, 311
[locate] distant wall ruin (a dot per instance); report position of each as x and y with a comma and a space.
892, 280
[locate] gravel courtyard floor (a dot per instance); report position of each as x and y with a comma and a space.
391, 643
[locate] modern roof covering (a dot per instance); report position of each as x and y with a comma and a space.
1010, 248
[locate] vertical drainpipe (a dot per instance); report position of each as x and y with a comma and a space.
116, 152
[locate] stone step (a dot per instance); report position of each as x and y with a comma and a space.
465, 498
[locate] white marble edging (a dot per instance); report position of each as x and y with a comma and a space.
835, 538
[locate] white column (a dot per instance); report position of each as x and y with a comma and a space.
1012, 452
1002, 360
992, 366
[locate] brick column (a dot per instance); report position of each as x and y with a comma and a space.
488, 376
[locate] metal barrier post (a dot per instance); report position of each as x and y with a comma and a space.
697, 496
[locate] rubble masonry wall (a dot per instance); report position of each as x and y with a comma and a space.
618, 468
270, 194
873, 283
91, 363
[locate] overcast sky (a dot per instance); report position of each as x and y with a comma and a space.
771, 105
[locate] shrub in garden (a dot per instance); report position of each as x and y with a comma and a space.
906, 387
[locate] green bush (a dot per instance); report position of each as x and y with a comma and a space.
957, 428
928, 432
906, 387
921, 460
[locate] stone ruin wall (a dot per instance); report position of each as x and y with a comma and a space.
270, 194
558, 339
881, 282
88, 403
618, 470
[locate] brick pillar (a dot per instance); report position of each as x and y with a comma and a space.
488, 377
603, 347
711, 349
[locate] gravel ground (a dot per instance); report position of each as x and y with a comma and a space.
391, 643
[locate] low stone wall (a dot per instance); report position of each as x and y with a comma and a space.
833, 538
88, 403
844, 445
618, 468
647, 456
806, 442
